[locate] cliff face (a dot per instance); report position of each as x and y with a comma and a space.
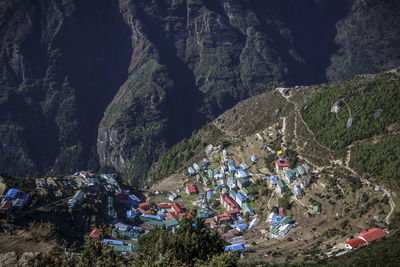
140, 75
61, 63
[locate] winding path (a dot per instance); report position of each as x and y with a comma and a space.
346, 164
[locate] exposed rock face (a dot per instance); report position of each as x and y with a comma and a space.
9, 259
116, 82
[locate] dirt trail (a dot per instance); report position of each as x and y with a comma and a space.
345, 164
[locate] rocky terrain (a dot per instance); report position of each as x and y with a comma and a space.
112, 85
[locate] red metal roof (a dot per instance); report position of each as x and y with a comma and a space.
95, 233
5, 205
229, 201
163, 206
355, 242
171, 215
144, 205
177, 208
234, 211
372, 234
191, 188
282, 163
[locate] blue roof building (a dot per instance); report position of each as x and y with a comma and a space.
209, 195
112, 242
242, 173
12, 193
235, 247
130, 214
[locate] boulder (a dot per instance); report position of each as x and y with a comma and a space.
9, 259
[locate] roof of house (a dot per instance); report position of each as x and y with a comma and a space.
95, 233
227, 199
171, 215
171, 223
130, 213
355, 242
245, 190
242, 181
372, 234
282, 163
12, 193
177, 208
144, 204
5, 205
301, 170
242, 173
234, 211
240, 197
280, 183
191, 188
164, 206
239, 246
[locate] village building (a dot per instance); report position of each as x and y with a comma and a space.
281, 165
244, 165
76, 199
241, 182
177, 208
245, 191
191, 189
228, 203
95, 233
254, 158
205, 213
240, 199
280, 187
290, 176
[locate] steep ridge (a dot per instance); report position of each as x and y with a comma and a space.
113, 85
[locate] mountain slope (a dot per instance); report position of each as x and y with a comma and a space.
113, 85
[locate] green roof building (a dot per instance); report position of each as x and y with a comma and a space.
205, 213
171, 223
245, 191
130, 247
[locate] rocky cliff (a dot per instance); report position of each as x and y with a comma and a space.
118, 82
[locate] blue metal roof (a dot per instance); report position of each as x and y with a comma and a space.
12, 193
241, 197
242, 172
234, 247
112, 242
209, 194
130, 214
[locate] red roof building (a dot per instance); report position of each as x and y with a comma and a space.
372, 234
177, 208
5, 205
148, 212
228, 203
354, 243
95, 233
144, 205
171, 215
282, 212
164, 206
280, 165
232, 212
223, 218
191, 189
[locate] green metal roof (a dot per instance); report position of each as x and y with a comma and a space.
245, 190
131, 247
285, 220
171, 223
242, 181
280, 184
